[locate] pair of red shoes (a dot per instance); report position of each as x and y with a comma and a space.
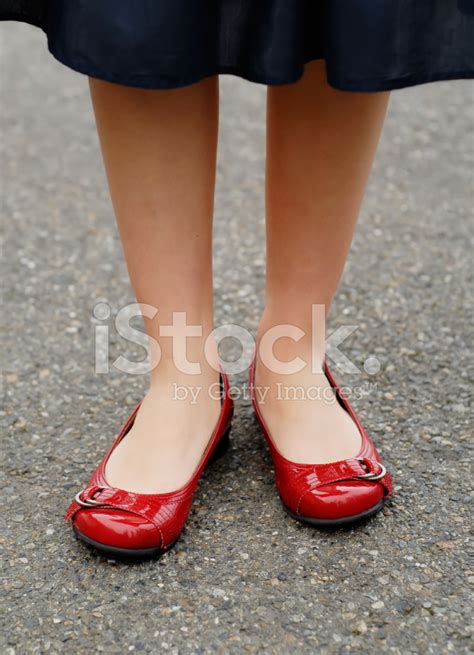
128, 524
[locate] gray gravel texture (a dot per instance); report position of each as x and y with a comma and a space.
244, 577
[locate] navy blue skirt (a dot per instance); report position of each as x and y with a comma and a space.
367, 45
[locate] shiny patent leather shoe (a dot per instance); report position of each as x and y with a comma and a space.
333, 494
133, 525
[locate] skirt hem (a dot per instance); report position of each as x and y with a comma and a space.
163, 83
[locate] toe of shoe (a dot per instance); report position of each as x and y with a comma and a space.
117, 529
341, 500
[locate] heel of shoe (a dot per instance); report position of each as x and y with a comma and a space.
222, 447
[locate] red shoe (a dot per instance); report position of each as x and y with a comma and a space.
332, 494
128, 524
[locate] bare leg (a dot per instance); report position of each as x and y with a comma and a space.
159, 149
320, 147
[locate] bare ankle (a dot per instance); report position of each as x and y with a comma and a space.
284, 340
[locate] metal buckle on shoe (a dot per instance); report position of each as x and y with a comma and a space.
89, 502
373, 476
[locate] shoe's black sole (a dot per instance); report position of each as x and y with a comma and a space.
120, 553
147, 553
221, 448
337, 523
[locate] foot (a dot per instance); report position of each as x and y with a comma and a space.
304, 417
170, 433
